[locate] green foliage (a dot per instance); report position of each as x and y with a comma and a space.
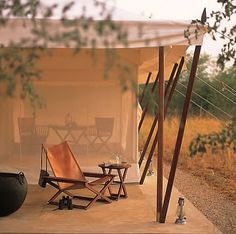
218, 25
202, 69
150, 98
18, 68
228, 33
210, 92
215, 141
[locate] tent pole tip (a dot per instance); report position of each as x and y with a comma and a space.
204, 16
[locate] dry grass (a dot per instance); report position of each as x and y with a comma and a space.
218, 169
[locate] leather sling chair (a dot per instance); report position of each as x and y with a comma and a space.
69, 176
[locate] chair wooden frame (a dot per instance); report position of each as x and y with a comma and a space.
101, 131
30, 133
65, 184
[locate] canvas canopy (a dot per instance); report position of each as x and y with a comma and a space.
144, 36
77, 96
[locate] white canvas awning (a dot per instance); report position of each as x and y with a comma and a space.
143, 35
154, 34
148, 33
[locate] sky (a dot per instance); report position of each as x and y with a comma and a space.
167, 9
175, 10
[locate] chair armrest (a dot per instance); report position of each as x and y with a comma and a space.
64, 180
97, 175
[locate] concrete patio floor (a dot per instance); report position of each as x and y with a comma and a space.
133, 215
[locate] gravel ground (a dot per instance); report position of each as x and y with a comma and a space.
215, 206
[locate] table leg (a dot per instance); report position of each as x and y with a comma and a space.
59, 135
109, 188
105, 173
122, 184
124, 188
82, 134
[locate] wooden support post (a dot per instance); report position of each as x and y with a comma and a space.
145, 87
146, 107
180, 134
161, 88
155, 120
149, 159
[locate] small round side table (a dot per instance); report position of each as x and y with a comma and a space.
121, 169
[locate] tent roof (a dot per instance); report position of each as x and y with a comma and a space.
146, 33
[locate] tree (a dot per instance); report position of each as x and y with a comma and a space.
199, 87
228, 52
213, 91
217, 25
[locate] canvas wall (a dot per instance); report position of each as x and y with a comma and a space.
74, 91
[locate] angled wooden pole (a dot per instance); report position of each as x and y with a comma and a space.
172, 75
180, 134
146, 147
145, 87
149, 158
156, 118
146, 107
174, 82
161, 91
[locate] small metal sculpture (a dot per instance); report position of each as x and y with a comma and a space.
180, 212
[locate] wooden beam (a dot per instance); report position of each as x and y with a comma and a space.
180, 134
149, 159
145, 149
146, 107
161, 91
174, 83
172, 75
145, 87
154, 124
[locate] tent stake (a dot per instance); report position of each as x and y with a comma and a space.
145, 87
156, 118
161, 88
149, 159
180, 134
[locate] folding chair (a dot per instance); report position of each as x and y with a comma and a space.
68, 175
101, 133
